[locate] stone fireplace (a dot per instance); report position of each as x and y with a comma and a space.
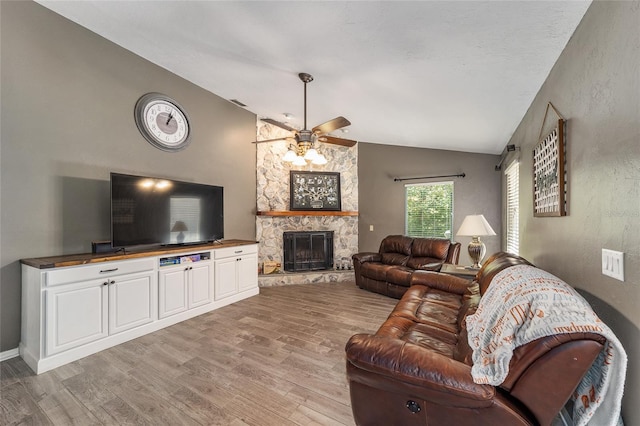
272, 177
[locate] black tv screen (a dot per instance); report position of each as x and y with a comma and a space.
147, 211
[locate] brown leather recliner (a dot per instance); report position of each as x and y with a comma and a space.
390, 270
416, 369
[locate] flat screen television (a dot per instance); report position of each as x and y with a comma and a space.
149, 211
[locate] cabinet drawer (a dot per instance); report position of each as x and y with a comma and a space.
223, 253
100, 270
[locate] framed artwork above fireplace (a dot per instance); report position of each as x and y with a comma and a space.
314, 191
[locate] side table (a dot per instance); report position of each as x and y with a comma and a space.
459, 270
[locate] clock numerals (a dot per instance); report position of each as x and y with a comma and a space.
162, 122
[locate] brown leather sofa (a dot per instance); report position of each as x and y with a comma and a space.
390, 270
416, 369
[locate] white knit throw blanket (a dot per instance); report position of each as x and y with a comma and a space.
524, 303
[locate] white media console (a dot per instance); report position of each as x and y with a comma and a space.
74, 306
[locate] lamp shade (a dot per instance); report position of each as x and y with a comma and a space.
311, 154
179, 226
290, 156
475, 226
299, 161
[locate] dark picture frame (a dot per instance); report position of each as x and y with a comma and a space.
314, 191
550, 174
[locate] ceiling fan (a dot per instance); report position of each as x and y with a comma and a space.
305, 139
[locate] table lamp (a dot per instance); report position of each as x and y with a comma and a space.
181, 227
475, 226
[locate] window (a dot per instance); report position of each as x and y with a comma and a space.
429, 210
187, 210
512, 175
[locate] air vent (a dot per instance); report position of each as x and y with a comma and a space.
237, 102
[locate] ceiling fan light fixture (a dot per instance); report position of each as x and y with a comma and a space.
290, 156
299, 161
311, 154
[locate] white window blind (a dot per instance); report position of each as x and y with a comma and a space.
429, 210
187, 210
513, 208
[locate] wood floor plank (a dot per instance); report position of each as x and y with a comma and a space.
152, 405
122, 413
307, 416
273, 359
250, 412
18, 407
335, 410
62, 408
41, 386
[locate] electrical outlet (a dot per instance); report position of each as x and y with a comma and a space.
613, 264
370, 227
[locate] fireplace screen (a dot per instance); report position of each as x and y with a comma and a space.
308, 250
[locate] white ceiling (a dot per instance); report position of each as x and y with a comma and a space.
455, 75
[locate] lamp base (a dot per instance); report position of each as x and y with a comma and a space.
477, 250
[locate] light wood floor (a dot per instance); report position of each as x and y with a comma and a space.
274, 359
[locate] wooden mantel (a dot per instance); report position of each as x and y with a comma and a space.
285, 213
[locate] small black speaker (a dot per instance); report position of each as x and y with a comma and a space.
101, 247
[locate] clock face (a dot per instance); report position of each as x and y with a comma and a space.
162, 122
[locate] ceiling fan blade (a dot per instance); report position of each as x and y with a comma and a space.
331, 125
337, 141
278, 124
288, 138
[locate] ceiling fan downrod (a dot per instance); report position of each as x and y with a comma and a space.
306, 78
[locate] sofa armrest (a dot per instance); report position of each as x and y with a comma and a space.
366, 257
453, 256
436, 377
440, 281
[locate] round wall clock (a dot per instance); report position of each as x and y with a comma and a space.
162, 122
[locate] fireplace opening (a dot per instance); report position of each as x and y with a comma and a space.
308, 250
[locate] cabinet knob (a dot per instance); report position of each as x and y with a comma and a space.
112, 282
105, 283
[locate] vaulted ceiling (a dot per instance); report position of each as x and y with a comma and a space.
455, 75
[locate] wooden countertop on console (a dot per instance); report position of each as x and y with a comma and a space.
86, 258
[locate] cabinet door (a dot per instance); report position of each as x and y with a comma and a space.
248, 272
172, 291
76, 314
226, 283
131, 302
200, 284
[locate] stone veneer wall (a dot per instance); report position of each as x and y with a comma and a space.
272, 176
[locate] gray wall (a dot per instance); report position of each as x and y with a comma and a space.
381, 200
595, 85
67, 121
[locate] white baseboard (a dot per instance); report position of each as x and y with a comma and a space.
11, 353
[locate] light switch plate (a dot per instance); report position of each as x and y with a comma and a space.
613, 264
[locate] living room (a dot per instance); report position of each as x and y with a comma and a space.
57, 77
